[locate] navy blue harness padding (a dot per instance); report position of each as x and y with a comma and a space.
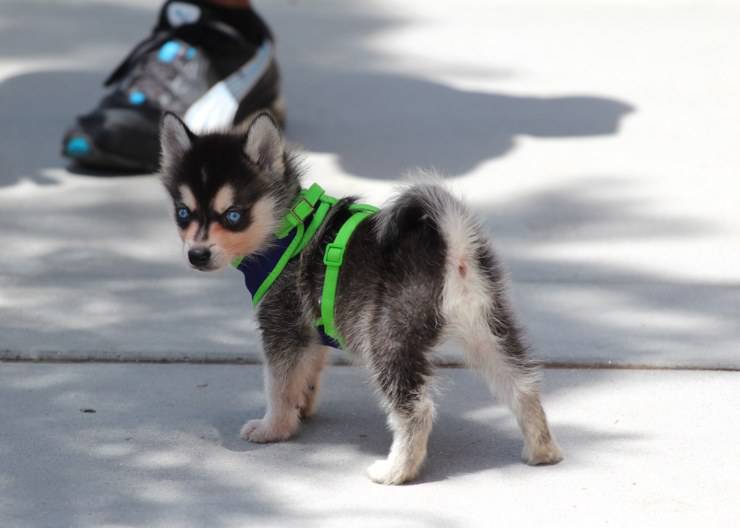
256, 268
328, 341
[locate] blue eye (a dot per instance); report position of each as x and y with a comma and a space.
233, 217
183, 213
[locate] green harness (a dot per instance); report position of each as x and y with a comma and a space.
315, 204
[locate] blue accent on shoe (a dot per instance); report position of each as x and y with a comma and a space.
169, 51
136, 97
190, 54
78, 146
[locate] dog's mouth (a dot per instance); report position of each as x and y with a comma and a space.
214, 264
206, 267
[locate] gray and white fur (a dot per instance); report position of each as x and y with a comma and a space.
420, 271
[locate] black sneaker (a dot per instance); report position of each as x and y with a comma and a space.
213, 66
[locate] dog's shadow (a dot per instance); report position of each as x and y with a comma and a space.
472, 432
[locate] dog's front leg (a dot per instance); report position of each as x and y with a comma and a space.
316, 358
284, 383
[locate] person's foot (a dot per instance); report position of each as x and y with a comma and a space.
212, 66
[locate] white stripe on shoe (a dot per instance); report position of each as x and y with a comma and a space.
215, 110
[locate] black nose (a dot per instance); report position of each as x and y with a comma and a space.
199, 257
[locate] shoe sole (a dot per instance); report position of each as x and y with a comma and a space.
92, 157
96, 159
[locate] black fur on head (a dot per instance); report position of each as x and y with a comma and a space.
250, 170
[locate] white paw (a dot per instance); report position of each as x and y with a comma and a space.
383, 472
262, 431
542, 455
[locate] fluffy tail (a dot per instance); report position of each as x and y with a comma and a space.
472, 277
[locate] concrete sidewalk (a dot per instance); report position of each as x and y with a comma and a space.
643, 448
598, 144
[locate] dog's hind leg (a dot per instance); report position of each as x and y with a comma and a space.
501, 359
476, 310
479, 314
411, 423
402, 375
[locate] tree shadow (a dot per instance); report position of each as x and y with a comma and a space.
87, 265
595, 310
33, 28
472, 432
48, 42
37, 108
157, 453
104, 278
379, 124
87, 273
349, 98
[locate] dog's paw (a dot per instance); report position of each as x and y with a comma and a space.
384, 472
262, 431
542, 455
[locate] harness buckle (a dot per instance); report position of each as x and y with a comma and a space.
334, 255
300, 211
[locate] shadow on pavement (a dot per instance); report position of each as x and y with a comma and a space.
96, 279
380, 125
156, 453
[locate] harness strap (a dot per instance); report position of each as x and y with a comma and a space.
333, 258
294, 220
318, 218
280, 266
314, 203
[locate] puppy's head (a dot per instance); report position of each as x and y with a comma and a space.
223, 188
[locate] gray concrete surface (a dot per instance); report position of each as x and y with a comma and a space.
643, 448
597, 141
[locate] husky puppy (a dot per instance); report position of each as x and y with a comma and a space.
418, 271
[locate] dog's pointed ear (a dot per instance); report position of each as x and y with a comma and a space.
263, 145
175, 139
